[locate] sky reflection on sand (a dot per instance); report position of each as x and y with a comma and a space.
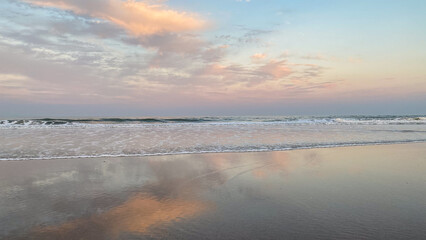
159, 191
318, 193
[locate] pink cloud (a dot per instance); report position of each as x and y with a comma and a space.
138, 18
277, 69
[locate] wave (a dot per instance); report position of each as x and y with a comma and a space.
265, 148
132, 122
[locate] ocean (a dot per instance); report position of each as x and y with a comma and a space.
29, 139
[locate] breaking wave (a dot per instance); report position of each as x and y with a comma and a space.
103, 122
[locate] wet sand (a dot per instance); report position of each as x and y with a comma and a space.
368, 192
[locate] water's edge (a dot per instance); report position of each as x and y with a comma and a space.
215, 152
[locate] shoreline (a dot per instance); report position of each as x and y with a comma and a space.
213, 152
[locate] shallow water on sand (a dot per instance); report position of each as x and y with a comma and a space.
79, 138
371, 192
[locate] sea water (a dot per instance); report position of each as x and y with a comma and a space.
26, 139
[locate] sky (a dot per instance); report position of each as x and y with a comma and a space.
222, 57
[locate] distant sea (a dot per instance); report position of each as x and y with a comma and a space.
48, 138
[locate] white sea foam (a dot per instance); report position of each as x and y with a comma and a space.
241, 150
29, 139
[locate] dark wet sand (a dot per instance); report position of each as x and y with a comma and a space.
369, 192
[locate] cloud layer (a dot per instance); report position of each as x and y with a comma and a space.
140, 53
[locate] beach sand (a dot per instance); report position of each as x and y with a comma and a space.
364, 192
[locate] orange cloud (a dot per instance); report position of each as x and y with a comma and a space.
258, 56
138, 18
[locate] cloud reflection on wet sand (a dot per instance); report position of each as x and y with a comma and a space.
332, 193
170, 196
137, 215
